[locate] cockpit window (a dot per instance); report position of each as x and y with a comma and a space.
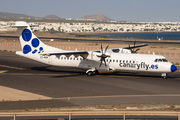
164, 60
161, 60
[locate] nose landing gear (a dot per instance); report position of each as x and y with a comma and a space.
164, 75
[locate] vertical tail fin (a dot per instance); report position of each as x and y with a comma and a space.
30, 44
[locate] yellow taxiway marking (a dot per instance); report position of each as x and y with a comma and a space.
12, 67
3, 71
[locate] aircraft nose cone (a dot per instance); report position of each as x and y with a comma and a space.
173, 68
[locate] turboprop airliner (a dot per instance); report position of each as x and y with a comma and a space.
93, 62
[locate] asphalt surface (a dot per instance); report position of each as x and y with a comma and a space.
71, 87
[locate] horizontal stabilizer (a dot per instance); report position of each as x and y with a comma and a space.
23, 24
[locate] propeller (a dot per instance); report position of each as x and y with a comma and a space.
132, 50
103, 56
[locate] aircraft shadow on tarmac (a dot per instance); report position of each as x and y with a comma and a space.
68, 72
62, 72
59, 70
145, 75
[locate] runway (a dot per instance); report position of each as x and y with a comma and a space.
28, 84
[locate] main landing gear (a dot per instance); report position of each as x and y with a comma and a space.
164, 75
91, 72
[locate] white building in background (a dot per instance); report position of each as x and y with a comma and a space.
98, 27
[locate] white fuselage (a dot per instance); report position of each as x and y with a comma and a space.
117, 62
102, 61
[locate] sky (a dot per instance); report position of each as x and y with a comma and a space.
120, 10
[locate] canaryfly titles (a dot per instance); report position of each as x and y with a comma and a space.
142, 65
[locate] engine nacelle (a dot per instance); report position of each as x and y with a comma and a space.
121, 50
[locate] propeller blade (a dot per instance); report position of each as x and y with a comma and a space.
100, 63
106, 49
137, 50
108, 56
134, 46
101, 49
134, 42
105, 62
98, 55
103, 56
130, 48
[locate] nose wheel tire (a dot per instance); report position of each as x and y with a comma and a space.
164, 75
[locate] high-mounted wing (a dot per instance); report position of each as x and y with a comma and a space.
136, 46
129, 47
84, 54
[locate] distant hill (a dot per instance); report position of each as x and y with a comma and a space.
52, 17
97, 17
16, 16
5, 15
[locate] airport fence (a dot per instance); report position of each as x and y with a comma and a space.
80, 48
94, 114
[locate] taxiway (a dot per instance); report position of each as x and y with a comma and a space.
29, 84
